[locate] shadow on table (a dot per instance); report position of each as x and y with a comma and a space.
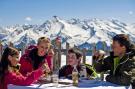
98, 84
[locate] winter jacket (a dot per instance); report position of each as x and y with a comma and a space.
66, 71
122, 72
27, 64
19, 79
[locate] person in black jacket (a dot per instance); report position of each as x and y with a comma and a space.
121, 61
74, 58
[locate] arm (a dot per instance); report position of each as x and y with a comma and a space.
12, 78
62, 72
90, 70
26, 66
104, 65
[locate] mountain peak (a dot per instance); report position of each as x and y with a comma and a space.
75, 31
56, 18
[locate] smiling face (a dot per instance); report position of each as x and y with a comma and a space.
43, 48
13, 60
72, 59
118, 49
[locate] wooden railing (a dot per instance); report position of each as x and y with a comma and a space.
58, 52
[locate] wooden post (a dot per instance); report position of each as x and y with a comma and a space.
57, 55
84, 55
55, 60
11, 44
67, 48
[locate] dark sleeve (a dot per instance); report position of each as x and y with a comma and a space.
90, 70
103, 65
127, 76
62, 71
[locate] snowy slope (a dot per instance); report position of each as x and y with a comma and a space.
3, 32
131, 28
82, 33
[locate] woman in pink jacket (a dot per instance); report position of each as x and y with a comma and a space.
7, 73
35, 56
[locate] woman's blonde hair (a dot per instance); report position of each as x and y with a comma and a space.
44, 39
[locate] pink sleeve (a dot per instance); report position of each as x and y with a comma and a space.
25, 67
12, 78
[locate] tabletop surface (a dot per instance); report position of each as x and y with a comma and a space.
92, 84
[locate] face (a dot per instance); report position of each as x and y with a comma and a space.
43, 48
117, 48
72, 59
96, 54
13, 59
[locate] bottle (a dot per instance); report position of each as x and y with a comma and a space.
75, 76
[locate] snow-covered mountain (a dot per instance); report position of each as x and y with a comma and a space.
82, 33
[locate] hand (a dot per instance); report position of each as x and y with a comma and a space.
99, 54
96, 55
45, 68
51, 52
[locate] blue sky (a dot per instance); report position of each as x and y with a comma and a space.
38, 11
